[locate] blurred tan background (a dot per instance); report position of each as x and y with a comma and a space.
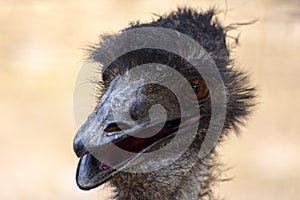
40, 56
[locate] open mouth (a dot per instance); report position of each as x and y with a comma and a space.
91, 172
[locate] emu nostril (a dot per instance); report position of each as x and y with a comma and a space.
116, 127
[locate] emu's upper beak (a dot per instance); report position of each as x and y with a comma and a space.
110, 140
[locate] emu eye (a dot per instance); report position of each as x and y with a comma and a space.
199, 87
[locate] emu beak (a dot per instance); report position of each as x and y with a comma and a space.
94, 141
110, 140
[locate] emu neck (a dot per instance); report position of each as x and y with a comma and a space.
178, 181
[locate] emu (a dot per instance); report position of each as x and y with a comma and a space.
189, 176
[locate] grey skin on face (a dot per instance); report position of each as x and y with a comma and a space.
188, 177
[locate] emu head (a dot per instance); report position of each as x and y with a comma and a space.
148, 95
